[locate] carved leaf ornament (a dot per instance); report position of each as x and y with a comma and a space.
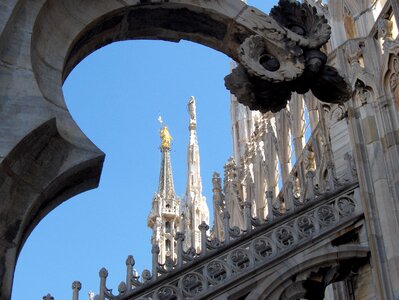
286, 59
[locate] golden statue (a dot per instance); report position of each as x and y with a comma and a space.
166, 138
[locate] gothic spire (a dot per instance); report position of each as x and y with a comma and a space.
166, 187
164, 215
196, 210
194, 184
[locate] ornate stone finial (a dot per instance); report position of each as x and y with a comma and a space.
166, 138
169, 263
103, 273
179, 236
130, 260
146, 275
76, 285
203, 226
216, 181
122, 287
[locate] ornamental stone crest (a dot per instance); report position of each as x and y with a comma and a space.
286, 58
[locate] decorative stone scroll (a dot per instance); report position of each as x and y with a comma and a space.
273, 65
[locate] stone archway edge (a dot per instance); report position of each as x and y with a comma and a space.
42, 40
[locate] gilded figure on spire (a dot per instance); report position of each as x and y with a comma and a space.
166, 138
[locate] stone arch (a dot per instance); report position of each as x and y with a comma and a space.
316, 270
43, 42
65, 33
366, 79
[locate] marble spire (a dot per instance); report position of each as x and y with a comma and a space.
196, 210
166, 187
165, 212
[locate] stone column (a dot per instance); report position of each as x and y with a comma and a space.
8, 259
284, 143
378, 194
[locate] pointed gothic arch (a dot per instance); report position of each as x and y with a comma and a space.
390, 73
316, 271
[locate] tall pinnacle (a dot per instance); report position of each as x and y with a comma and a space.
164, 217
166, 187
194, 185
196, 210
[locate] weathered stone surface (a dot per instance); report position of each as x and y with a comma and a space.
41, 42
45, 158
266, 76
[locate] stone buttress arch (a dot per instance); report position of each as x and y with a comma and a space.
44, 156
281, 284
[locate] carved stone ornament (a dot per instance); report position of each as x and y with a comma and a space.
363, 95
394, 79
346, 206
384, 29
263, 248
239, 259
216, 271
192, 284
284, 237
76, 285
146, 274
259, 62
167, 293
271, 67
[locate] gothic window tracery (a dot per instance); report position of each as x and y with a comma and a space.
168, 228
393, 78
364, 94
167, 245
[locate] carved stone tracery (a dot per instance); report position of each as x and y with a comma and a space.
394, 80
266, 76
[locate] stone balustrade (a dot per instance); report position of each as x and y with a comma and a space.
297, 220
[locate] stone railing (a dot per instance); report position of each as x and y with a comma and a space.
313, 176
169, 211
301, 219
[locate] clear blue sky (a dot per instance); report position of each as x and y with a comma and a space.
116, 95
